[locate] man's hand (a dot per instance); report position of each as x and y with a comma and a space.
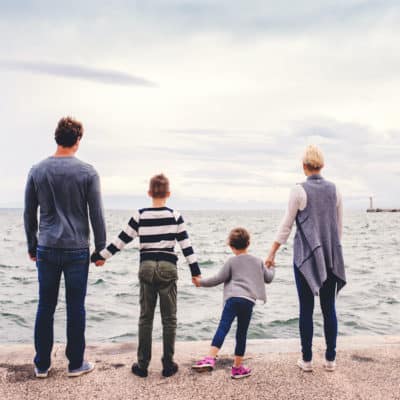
99, 263
33, 258
196, 280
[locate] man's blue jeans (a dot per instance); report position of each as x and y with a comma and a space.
51, 263
327, 297
242, 309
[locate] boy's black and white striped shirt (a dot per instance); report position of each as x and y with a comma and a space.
158, 230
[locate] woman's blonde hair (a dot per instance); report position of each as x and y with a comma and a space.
313, 157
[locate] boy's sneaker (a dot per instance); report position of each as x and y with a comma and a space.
205, 364
306, 366
240, 372
170, 369
42, 373
85, 368
141, 372
330, 365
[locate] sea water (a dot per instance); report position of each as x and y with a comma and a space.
369, 303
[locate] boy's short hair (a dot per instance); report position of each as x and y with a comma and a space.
239, 238
68, 132
159, 186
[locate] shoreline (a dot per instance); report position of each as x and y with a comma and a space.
368, 368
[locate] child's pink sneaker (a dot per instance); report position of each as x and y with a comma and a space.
240, 372
206, 364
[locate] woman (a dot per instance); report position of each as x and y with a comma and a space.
316, 206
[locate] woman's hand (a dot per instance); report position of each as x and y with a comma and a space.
270, 261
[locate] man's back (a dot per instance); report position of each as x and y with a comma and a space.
63, 188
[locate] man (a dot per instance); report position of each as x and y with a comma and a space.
67, 191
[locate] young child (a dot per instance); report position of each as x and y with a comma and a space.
158, 229
243, 276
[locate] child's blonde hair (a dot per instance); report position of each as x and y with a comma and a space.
313, 157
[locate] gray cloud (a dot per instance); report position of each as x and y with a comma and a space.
210, 132
361, 160
342, 63
77, 72
263, 16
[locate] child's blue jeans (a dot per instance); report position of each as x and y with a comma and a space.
327, 296
242, 309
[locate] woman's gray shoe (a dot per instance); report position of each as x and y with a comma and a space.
306, 366
84, 369
330, 365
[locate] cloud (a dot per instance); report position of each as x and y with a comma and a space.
228, 163
209, 171
106, 76
245, 86
262, 16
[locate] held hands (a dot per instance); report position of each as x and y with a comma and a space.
97, 259
196, 280
270, 261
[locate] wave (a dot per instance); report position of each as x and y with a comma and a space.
20, 321
8, 266
207, 262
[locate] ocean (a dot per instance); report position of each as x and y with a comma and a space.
368, 305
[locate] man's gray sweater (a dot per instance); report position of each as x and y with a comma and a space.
67, 191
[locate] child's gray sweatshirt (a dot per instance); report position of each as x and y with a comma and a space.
243, 276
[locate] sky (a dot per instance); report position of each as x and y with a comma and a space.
222, 96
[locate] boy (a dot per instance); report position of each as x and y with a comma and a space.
158, 229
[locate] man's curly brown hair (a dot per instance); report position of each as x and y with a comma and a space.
68, 132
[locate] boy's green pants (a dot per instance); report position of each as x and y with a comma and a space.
157, 278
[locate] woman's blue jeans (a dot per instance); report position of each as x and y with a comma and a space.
74, 264
327, 296
242, 309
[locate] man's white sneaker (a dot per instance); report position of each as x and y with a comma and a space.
306, 366
41, 374
84, 369
330, 365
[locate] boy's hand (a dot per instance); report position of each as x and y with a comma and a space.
99, 263
196, 280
